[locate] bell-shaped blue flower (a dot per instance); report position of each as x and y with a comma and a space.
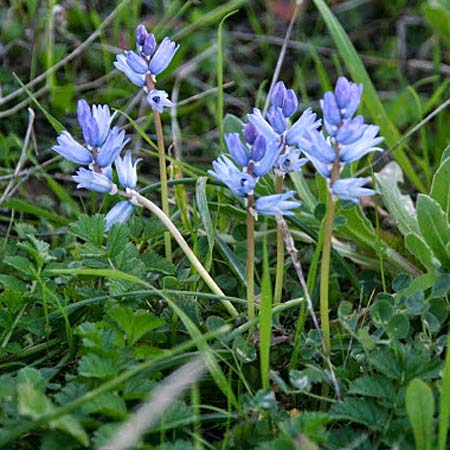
331, 113
277, 119
250, 133
262, 126
94, 181
306, 122
121, 64
119, 213
351, 189
263, 164
351, 130
137, 63
113, 145
163, 56
366, 144
271, 205
316, 147
158, 100
70, 149
291, 161
95, 124
237, 149
127, 170
240, 183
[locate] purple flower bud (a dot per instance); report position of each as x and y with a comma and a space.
83, 112
94, 181
348, 96
290, 103
149, 45
136, 63
277, 119
90, 131
119, 213
278, 94
141, 34
258, 149
330, 109
236, 148
264, 164
250, 133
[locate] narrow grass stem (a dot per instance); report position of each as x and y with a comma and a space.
279, 274
162, 168
325, 273
250, 266
164, 218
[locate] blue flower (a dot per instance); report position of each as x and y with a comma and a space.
158, 100
237, 149
113, 145
70, 149
119, 213
264, 155
240, 183
351, 130
317, 148
271, 205
291, 161
126, 171
306, 122
351, 189
163, 56
348, 96
284, 99
366, 144
262, 126
121, 64
94, 181
277, 119
95, 124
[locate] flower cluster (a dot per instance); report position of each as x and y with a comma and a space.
269, 145
149, 60
102, 148
348, 140
276, 144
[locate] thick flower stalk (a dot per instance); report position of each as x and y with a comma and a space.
347, 139
141, 68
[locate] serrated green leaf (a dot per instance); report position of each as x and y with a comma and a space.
386, 362
440, 186
32, 402
109, 404
399, 205
434, 227
134, 324
360, 410
22, 264
376, 386
89, 228
12, 283
72, 426
95, 366
420, 409
116, 240
156, 263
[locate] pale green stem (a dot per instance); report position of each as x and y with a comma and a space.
164, 218
250, 266
325, 274
162, 168
279, 274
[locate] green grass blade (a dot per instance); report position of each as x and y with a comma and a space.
373, 103
444, 401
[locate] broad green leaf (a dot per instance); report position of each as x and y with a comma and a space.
358, 227
399, 205
376, 386
434, 227
89, 228
32, 402
398, 326
134, 324
244, 349
385, 361
370, 97
71, 426
156, 263
94, 366
109, 404
117, 239
440, 187
303, 190
420, 409
234, 262
421, 250
381, 312
22, 264
360, 410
